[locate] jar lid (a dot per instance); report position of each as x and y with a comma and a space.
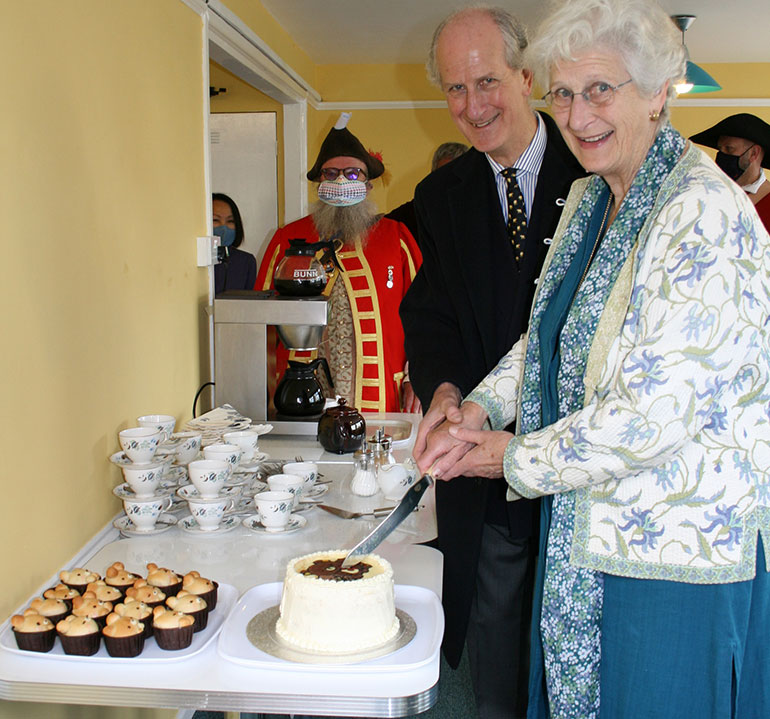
366, 452
300, 247
381, 440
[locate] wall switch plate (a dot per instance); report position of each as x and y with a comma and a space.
207, 250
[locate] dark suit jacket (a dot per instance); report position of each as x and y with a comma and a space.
467, 306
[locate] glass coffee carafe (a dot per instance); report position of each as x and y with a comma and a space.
299, 273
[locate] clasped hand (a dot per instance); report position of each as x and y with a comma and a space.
450, 442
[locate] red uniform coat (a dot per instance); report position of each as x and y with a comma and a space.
376, 279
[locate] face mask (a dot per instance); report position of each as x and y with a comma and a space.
226, 235
731, 164
342, 192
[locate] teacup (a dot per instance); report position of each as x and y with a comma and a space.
140, 443
188, 447
307, 470
143, 479
246, 440
161, 422
208, 513
274, 509
144, 513
208, 476
291, 483
394, 480
230, 453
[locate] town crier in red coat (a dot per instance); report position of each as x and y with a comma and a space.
376, 260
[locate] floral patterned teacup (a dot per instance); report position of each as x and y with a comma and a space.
274, 509
230, 453
208, 475
140, 443
188, 447
143, 479
246, 440
291, 483
208, 513
160, 422
307, 470
144, 513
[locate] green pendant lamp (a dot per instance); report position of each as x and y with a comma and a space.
696, 78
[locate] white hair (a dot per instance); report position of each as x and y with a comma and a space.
640, 31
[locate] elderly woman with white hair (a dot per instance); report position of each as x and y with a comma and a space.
641, 397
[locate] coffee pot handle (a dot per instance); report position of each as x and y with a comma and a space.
323, 363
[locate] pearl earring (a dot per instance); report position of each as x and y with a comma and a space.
654, 115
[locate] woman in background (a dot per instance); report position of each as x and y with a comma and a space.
236, 270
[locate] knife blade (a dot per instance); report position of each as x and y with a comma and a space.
400, 512
347, 514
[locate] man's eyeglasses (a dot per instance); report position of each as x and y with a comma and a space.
598, 94
350, 173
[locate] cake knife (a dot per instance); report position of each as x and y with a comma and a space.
400, 512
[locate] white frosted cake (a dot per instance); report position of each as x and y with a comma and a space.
327, 609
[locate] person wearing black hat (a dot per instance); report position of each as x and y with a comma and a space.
742, 142
376, 260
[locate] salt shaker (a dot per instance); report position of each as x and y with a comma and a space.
364, 482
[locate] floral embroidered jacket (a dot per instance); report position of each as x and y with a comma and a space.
670, 455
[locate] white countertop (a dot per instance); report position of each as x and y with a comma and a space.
244, 559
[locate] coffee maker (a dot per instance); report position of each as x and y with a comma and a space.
245, 325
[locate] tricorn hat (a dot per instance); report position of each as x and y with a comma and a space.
749, 127
342, 142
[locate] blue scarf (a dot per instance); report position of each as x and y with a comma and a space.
564, 321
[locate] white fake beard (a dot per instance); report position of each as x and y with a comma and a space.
344, 223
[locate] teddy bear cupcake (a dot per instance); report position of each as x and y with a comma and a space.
79, 635
63, 592
89, 606
117, 576
193, 605
104, 592
167, 581
33, 632
78, 578
143, 592
54, 609
136, 610
205, 588
123, 636
172, 630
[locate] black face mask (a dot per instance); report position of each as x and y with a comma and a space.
731, 164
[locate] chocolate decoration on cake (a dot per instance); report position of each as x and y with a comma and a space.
333, 570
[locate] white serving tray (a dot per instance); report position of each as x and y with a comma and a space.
226, 596
420, 603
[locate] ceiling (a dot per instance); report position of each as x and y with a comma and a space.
399, 31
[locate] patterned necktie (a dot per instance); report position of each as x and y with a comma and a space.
517, 213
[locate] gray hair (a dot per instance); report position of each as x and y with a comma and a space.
513, 31
447, 151
640, 31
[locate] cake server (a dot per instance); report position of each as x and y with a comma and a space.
347, 514
400, 512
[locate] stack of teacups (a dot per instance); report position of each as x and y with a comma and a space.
247, 440
307, 470
208, 499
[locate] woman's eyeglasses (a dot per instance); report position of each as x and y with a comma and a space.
600, 93
350, 173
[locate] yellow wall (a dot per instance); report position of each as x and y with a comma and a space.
102, 195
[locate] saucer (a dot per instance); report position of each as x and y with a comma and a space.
188, 524
253, 464
122, 460
190, 492
123, 491
295, 522
126, 526
177, 475
317, 490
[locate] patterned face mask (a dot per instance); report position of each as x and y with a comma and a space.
342, 192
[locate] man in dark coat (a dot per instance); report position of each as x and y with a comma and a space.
467, 306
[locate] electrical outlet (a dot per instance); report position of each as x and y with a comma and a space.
207, 250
